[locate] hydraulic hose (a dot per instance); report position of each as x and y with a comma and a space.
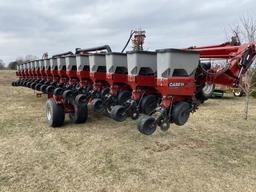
128, 41
104, 47
63, 54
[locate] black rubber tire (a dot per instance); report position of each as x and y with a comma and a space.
181, 113
123, 96
55, 114
146, 125
81, 98
27, 84
49, 90
32, 86
43, 88
104, 92
37, 87
118, 113
67, 94
148, 104
98, 105
18, 83
58, 91
41, 81
80, 114
23, 83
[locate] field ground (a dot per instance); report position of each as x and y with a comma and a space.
214, 151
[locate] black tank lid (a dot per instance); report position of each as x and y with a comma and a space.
172, 50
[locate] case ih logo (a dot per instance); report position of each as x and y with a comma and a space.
176, 84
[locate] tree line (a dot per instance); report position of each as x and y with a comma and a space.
13, 64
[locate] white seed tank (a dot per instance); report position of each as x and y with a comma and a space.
116, 62
141, 63
176, 62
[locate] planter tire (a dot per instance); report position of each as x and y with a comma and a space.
55, 114
146, 125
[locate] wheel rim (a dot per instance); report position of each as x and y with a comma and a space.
119, 114
207, 89
237, 93
48, 113
149, 126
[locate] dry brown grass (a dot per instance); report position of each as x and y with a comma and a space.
214, 151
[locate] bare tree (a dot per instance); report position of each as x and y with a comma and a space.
20, 60
2, 64
246, 30
30, 58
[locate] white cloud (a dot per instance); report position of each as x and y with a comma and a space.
62, 25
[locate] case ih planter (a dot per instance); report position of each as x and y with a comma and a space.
164, 86
117, 78
70, 96
184, 93
176, 82
142, 80
117, 90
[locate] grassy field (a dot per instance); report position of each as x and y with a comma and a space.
214, 151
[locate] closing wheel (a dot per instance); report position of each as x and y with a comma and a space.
164, 123
118, 113
98, 105
165, 126
123, 96
180, 113
146, 125
148, 104
55, 114
80, 114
